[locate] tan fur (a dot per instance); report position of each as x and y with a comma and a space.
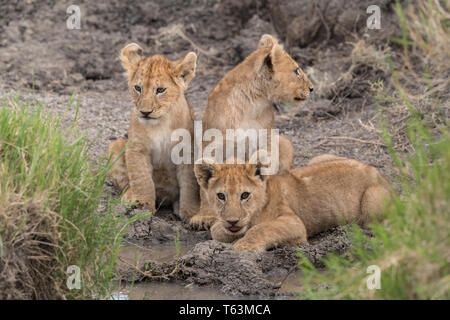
244, 99
290, 207
145, 165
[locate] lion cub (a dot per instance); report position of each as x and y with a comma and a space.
267, 211
157, 87
245, 98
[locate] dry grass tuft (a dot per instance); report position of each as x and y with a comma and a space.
422, 72
28, 264
368, 65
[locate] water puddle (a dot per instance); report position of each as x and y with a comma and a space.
174, 290
132, 256
135, 256
289, 281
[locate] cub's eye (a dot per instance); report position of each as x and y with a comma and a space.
221, 196
160, 90
138, 89
297, 72
244, 195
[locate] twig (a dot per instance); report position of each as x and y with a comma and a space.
286, 276
327, 28
357, 140
176, 30
369, 127
183, 36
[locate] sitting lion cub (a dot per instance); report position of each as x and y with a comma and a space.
267, 211
244, 98
157, 87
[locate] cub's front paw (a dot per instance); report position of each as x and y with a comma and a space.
243, 245
187, 215
202, 222
146, 202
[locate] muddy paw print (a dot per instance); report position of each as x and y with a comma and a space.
202, 222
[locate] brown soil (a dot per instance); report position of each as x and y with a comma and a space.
41, 59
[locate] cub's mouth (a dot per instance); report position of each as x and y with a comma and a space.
299, 99
149, 118
234, 229
147, 114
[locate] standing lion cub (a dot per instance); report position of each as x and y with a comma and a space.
157, 87
261, 212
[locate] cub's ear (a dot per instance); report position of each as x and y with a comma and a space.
185, 69
273, 57
258, 161
267, 41
204, 171
130, 56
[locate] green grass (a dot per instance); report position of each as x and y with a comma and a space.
49, 198
412, 245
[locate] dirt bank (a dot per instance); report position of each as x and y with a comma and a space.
205, 262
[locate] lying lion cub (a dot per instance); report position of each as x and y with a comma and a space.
267, 211
157, 87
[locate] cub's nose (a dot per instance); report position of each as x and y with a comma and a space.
146, 113
232, 222
311, 89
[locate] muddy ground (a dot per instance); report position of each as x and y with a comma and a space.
41, 59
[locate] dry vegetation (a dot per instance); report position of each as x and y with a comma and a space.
49, 197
